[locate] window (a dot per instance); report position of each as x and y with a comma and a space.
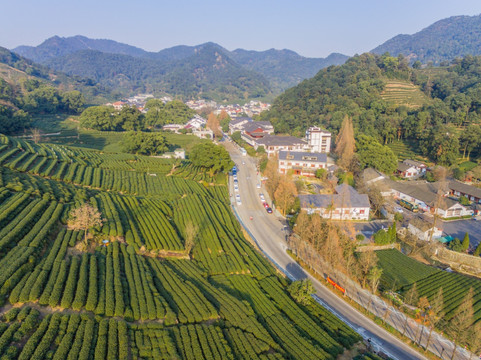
290, 157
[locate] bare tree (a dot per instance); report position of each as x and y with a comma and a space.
36, 135
411, 297
285, 195
367, 260
475, 339
213, 123
435, 313
272, 174
84, 218
345, 143
440, 174
459, 326
191, 232
423, 305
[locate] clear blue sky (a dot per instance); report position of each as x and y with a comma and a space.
311, 28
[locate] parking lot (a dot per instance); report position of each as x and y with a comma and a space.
459, 227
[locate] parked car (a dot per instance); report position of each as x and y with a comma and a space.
238, 199
269, 210
266, 205
262, 197
258, 185
236, 187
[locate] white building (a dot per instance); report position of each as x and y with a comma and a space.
273, 144
410, 169
345, 204
318, 140
301, 163
423, 229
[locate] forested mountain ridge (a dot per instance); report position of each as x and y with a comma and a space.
451, 100
254, 73
58, 46
284, 68
208, 72
444, 40
15, 70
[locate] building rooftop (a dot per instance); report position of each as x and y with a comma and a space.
272, 140
345, 197
302, 156
465, 188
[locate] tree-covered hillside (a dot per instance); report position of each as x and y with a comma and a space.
444, 40
452, 100
284, 68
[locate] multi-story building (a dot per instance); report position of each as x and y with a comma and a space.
301, 163
318, 140
345, 204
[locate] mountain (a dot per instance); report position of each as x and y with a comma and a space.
180, 70
58, 46
207, 72
15, 69
284, 68
446, 39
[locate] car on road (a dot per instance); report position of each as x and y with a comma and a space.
262, 197
266, 205
258, 185
238, 199
236, 187
269, 210
243, 163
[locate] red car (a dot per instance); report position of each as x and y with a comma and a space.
266, 205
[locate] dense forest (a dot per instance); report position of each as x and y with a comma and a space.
451, 102
18, 103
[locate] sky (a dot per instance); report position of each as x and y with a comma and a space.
309, 27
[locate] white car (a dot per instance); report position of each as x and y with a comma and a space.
258, 185
398, 209
236, 187
262, 197
238, 199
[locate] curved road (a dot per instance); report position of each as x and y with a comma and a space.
268, 232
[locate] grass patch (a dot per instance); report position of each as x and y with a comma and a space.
467, 165
406, 149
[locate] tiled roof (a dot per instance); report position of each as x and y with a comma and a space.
301, 156
346, 197
465, 188
271, 140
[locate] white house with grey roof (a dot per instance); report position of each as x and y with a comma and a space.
301, 163
273, 144
345, 204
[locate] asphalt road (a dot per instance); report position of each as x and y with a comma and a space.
268, 232
459, 227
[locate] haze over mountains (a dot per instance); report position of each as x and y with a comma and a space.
207, 70
213, 72
442, 41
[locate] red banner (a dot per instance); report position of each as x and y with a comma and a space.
341, 289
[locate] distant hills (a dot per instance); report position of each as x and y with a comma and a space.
207, 70
15, 69
444, 40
